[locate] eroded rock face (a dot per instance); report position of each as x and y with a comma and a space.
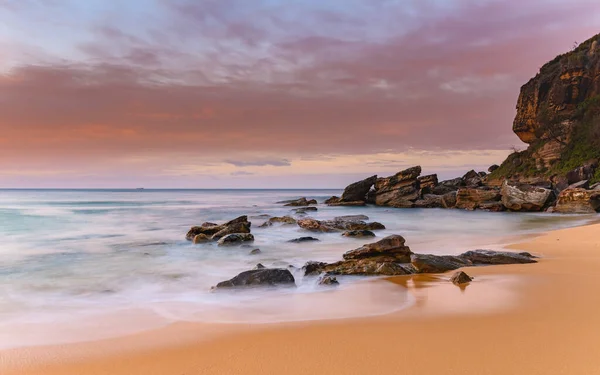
580, 201
259, 277
427, 183
449, 200
559, 87
448, 186
303, 239
388, 249
426, 263
522, 197
472, 198
399, 190
357, 191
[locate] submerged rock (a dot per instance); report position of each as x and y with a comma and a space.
460, 278
337, 225
255, 252
301, 202
390, 249
280, 220
328, 280
259, 277
235, 239
236, 227
358, 233
259, 266
366, 267
313, 268
472, 198
304, 210
303, 239
216, 231
426, 263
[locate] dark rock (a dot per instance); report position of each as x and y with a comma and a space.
301, 202
260, 277
427, 183
522, 197
429, 201
332, 200
328, 280
201, 238
304, 210
259, 266
388, 249
583, 184
351, 218
460, 278
472, 179
497, 257
238, 220
280, 220
367, 267
313, 268
425, 263
337, 225
303, 239
358, 233
448, 186
399, 190
580, 201
235, 239
493, 168
358, 190
449, 200
348, 204
207, 229
255, 252
315, 225
472, 198
236, 227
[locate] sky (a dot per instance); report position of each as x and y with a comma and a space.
266, 93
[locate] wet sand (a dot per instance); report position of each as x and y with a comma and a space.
519, 319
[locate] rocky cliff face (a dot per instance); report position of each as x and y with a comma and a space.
557, 91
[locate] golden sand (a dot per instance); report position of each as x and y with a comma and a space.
520, 319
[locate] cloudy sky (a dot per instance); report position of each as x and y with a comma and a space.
266, 93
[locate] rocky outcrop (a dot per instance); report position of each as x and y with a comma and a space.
472, 198
427, 183
259, 277
429, 201
578, 201
357, 192
300, 202
399, 190
278, 220
523, 197
237, 227
426, 263
216, 231
337, 225
487, 257
358, 233
390, 249
448, 186
460, 278
235, 239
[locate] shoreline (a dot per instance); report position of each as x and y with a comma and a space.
445, 323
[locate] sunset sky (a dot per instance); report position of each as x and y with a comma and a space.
266, 93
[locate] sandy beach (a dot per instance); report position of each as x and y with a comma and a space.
518, 319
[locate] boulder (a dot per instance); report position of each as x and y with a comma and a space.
493, 167
236, 227
585, 172
207, 229
328, 280
238, 220
259, 277
425, 263
332, 200
364, 267
304, 210
301, 202
303, 239
460, 278
399, 190
472, 198
449, 200
429, 201
280, 219
579, 201
255, 252
358, 191
313, 268
523, 197
201, 238
479, 257
358, 233
235, 239
448, 186
427, 183
492, 206
337, 225
315, 225
348, 204
388, 249
472, 179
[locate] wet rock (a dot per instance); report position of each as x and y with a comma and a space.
201, 238
337, 225
315, 225
236, 227
207, 229
399, 190
358, 233
313, 268
427, 183
472, 198
460, 278
523, 197
351, 218
357, 191
255, 252
390, 249
301, 202
492, 206
580, 201
303, 239
259, 277
279, 220
259, 266
367, 267
429, 201
235, 239
448, 186
478, 257
328, 280
332, 200
304, 210
425, 263
348, 204
493, 167
449, 200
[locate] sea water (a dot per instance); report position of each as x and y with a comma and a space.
71, 258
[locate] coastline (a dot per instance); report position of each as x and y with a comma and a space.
539, 318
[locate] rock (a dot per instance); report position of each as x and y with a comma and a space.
201, 238
301, 202
585, 172
478, 257
313, 268
493, 168
282, 220
304, 210
595, 186
236, 227
260, 277
238, 220
328, 280
388, 249
255, 252
367, 267
351, 218
337, 225
358, 233
427, 183
348, 204
358, 191
303, 239
584, 184
429, 201
492, 206
315, 225
472, 198
207, 229
235, 239
399, 190
472, 179
449, 200
332, 200
259, 266
578, 201
460, 278
425, 263
448, 186
522, 197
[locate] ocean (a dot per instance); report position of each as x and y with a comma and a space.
89, 264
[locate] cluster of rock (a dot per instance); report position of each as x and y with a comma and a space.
387, 257
408, 189
233, 232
